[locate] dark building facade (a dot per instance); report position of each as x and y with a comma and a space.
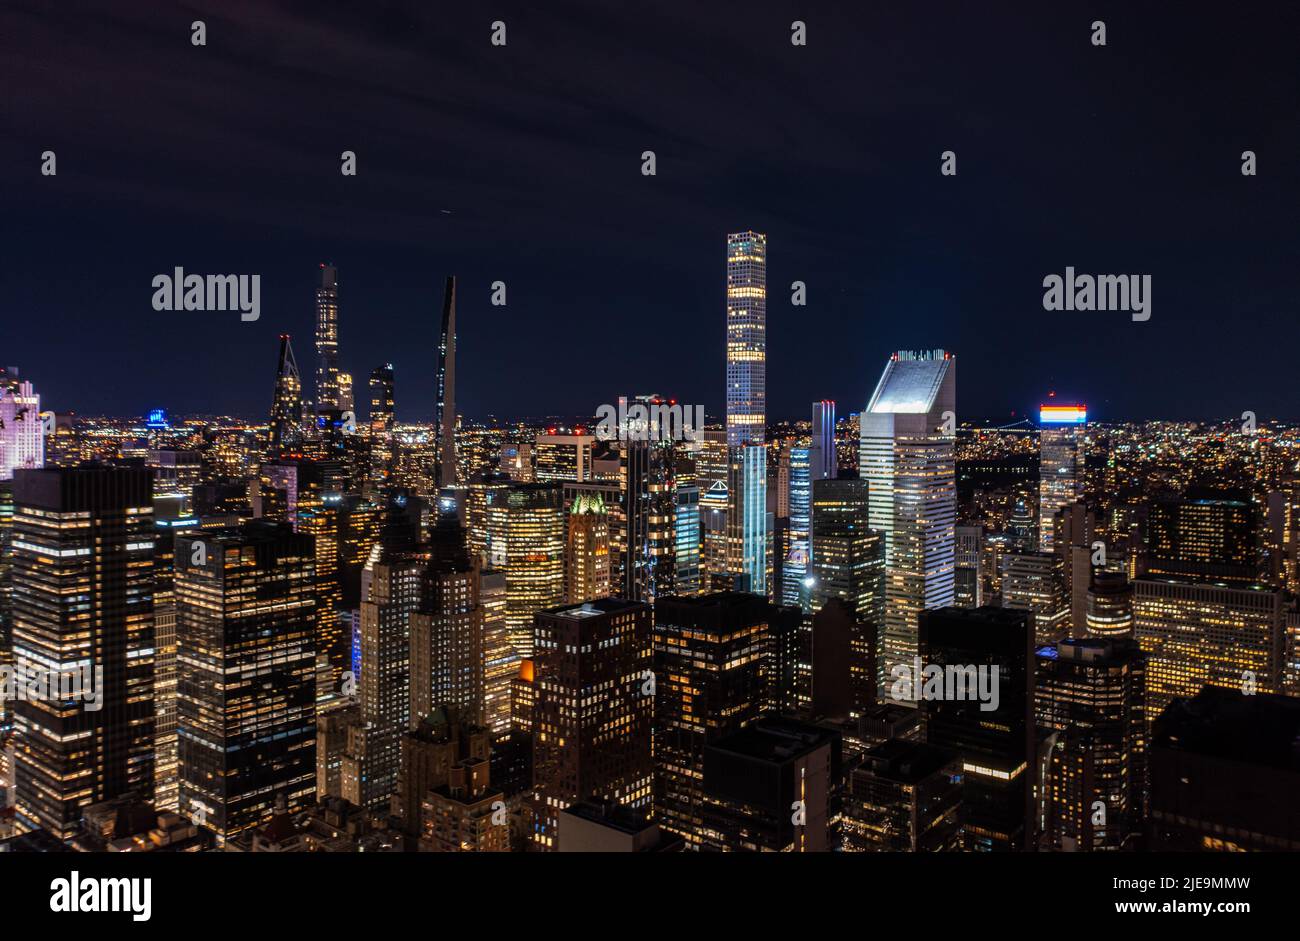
996, 745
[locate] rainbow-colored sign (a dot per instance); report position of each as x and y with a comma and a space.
1062, 414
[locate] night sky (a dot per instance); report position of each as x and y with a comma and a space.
523, 164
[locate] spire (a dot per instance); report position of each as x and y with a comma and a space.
286, 405
445, 419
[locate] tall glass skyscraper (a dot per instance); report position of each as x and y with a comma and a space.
327, 339
747, 534
797, 560
746, 338
906, 456
1060, 469
825, 464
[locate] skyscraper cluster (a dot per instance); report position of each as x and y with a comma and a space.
891, 629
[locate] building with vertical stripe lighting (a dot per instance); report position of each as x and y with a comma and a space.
906, 456
1060, 469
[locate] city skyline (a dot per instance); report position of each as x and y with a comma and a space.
614, 487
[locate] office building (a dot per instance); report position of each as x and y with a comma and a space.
746, 338
709, 667
83, 623
822, 455
1091, 695
246, 685
1060, 468
993, 731
906, 457
594, 708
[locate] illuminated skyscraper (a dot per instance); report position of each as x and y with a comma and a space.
709, 662
1092, 696
906, 456
444, 417
382, 418
1109, 611
561, 458
594, 709
500, 659
648, 476
1032, 582
246, 701
1202, 633
83, 600
525, 538
1206, 535
586, 554
748, 533
746, 338
797, 563
447, 649
22, 442
327, 339
824, 461
286, 405
1060, 469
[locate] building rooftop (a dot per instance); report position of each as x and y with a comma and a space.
910, 383
1262, 729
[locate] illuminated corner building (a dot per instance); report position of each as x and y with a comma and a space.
458, 815
711, 460
444, 416
1060, 468
905, 797
1205, 535
525, 539
1200, 633
563, 457
592, 718
687, 580
848, 556
586, 552
327, 339
747, 517
746, 338
83, 584
648, 477
476, 502
1092, 698
500, 659
714, 504
907, 459
434, 745
768, 788
246, 688
997, 746
22, 438
1033, 582
164, 606
797, 564
382, 418
824, 462
446, 633
393, 587
710, 657
1224, 774
1109, 611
